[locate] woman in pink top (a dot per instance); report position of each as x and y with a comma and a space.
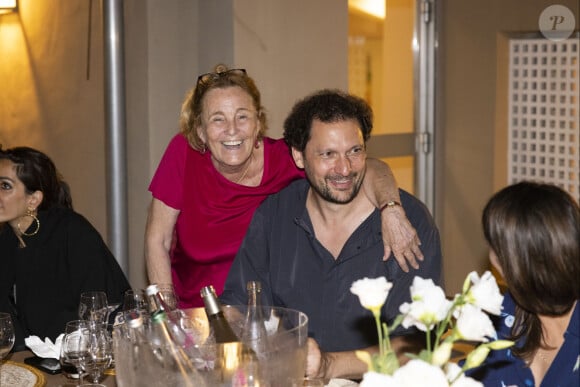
214, 175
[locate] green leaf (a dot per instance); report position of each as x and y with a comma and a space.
387, 364
425, 355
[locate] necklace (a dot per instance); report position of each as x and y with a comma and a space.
246, 170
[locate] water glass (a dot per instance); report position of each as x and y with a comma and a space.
6, 336
93, 306
74, 348
100, 352
135, 301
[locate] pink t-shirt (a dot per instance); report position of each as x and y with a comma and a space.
214, 212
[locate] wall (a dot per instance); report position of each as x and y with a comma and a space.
289, 51
470, 34
51, 94
47, 102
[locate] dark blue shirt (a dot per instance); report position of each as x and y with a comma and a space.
503, 369
296, 271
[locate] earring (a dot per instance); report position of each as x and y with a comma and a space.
203, 149
257, 144
30, 213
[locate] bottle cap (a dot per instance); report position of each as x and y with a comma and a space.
133, 319
152, 290
207, 291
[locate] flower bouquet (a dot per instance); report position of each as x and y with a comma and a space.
444, 323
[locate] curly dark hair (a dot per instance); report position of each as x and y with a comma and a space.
328, 105
534, 230
38, 173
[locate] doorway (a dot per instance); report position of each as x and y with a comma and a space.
390, 65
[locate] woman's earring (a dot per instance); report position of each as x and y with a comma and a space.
257, 144
203, 149
30, 213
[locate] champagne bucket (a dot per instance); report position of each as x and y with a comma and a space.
280, 361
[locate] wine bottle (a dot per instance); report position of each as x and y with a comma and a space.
218, 323
254, 331
236, 361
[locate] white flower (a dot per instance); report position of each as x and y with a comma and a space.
485, 293
473, 324
418, 373
463, 318
452, 370
375, 379
476, 357
429, 305
442, 354
371, 292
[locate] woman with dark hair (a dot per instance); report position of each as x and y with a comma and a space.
533, 231
49, 253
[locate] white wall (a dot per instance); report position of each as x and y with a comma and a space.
46, 101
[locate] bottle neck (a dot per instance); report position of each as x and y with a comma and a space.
152, 300
211, 302
254, 289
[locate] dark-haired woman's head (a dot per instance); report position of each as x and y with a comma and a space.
533, 231
29, 181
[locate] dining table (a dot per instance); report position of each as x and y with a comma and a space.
15, 372
20, 374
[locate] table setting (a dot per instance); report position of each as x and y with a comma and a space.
83, 354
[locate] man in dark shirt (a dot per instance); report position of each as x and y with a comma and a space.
311, 241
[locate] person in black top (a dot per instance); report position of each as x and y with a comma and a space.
308, 243
49, 253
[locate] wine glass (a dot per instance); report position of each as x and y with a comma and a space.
135, 300
100, 353
93, 307
6, 335
74, 348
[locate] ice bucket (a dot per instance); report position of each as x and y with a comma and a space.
282, 363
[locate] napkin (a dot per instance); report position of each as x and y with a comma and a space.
44, 349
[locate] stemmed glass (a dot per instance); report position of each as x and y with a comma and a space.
93, 307
74, 347
6, 336
135, 300
99, 355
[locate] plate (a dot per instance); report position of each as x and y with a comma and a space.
20, 375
